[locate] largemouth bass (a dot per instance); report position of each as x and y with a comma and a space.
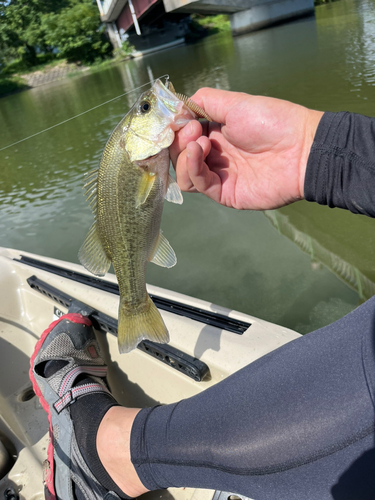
126, 194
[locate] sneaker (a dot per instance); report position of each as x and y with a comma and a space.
69, 342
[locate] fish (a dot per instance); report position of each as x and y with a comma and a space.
126, 194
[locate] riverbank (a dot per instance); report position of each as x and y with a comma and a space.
48, 73
15, 79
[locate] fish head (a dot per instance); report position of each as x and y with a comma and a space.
150, 125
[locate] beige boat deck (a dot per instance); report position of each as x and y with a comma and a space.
135, 378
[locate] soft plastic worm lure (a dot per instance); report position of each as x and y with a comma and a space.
189, 103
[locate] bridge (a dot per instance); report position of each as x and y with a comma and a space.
141, 16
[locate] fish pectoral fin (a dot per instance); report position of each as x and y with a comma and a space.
173, 194
91, 189
144, 188
164, 255
92, 254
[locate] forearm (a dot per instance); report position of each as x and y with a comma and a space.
341, 165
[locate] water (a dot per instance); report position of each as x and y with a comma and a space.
303, 266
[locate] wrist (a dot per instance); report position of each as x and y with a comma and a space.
312, 121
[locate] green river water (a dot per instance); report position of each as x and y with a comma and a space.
302, 266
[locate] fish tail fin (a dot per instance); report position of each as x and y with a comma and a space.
133, 327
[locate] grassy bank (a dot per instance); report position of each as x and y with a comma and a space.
16, 76
201, 26
11, 84
213, 24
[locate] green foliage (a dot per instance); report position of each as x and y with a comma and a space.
127, 48
124, 51
11, 84
21, 30
213, 24
201, 26
75, 31
19, 65
72, 28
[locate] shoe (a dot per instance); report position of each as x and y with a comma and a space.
70, 341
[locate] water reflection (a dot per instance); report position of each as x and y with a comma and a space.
338, 251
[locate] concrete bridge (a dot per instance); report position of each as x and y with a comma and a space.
244, 15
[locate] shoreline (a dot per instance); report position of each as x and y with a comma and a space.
56, 73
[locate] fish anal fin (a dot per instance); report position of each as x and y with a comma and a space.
92, 254
164, 255
173, 194
144, 188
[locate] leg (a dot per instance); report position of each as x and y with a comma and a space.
297, 423
113, 445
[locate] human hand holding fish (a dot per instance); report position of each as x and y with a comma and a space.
126, 195
252, 156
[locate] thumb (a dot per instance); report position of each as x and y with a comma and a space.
217, 103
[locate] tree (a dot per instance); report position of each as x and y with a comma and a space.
21, 30
76, 32
70, 27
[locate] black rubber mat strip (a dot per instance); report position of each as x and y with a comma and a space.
176, 359
209, 318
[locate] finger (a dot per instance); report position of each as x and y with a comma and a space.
199, 153
201, 177
205, 144
182, 174
189, 133
217, 103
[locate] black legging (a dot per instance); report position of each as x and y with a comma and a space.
297, 424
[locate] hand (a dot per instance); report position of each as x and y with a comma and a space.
254, 154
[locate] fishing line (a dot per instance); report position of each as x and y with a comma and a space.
80, 114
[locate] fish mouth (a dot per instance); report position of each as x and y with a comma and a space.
190, 105
184, 117
178, 112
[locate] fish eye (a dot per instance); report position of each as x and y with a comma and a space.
145, 107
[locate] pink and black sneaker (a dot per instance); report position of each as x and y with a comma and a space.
65, 367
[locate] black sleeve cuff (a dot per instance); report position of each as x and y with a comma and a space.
341, 166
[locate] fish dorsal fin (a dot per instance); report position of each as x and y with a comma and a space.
164, 255
92, 254
91, 189
144, 188
173, 194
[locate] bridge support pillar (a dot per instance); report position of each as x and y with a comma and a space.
267, 13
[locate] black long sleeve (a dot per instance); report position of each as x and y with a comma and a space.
341, 166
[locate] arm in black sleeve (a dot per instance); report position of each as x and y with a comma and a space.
341, 166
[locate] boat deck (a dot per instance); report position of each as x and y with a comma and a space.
137, 379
